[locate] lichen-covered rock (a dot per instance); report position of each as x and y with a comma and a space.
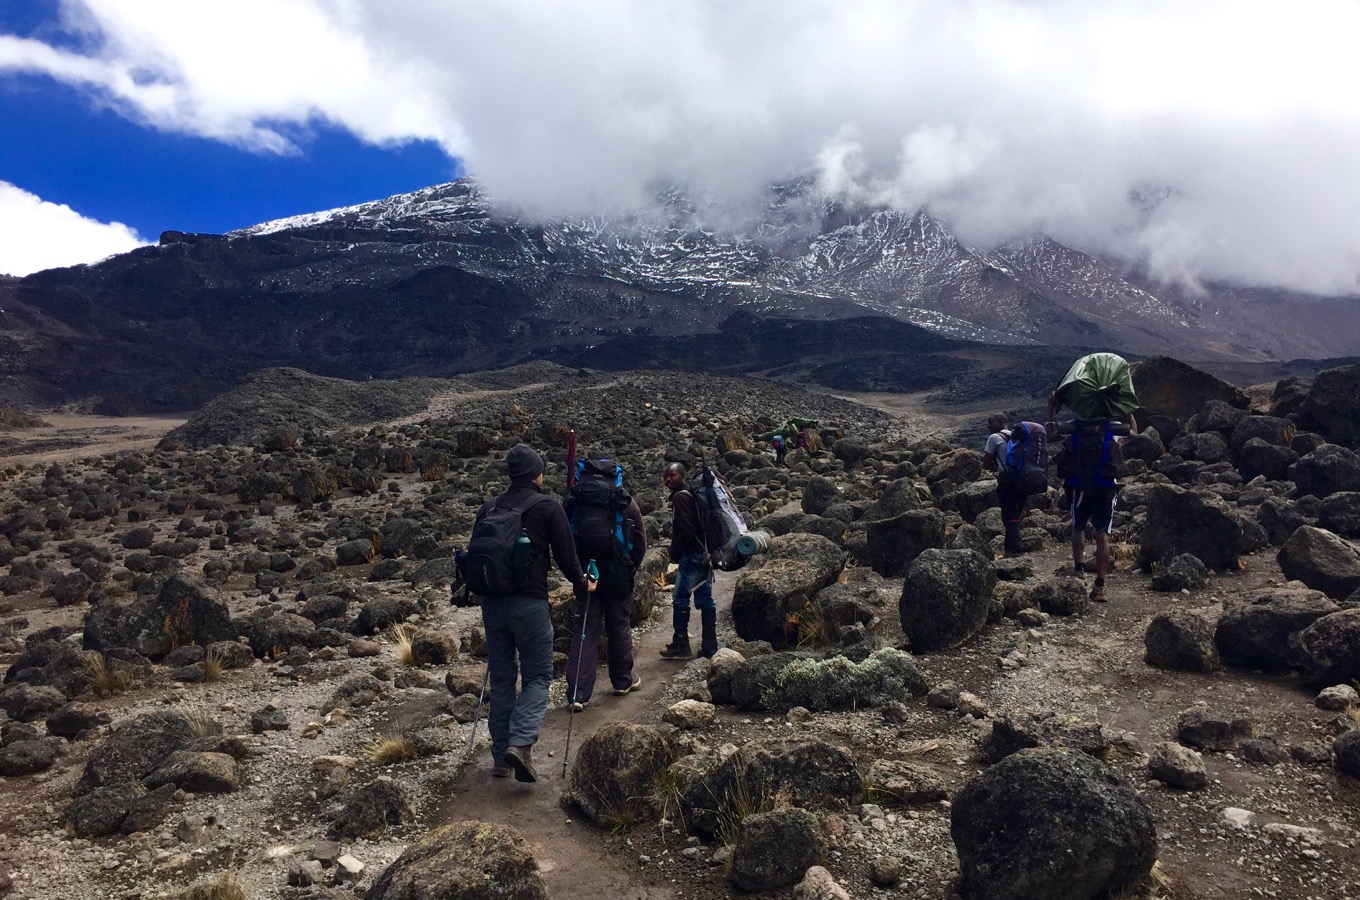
200, 773
893, 782
371, 809
1024, 731
615, 773
1329, 649
777, 587
1328, 470
1184, 573
1257, 633
1178, 766
1060, 596
181, 613
774, 849
1051, 825
945, 598
838, 683
136, 749
1182, 640
810, 774
467, 860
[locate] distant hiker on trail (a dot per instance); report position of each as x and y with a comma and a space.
694, 578
777, 442
506, 564
1099, 389
1019, 457
607, 525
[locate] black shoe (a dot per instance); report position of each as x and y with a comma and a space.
637, 683
521, 760
500, 770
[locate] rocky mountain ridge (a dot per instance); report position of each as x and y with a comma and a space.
439, 282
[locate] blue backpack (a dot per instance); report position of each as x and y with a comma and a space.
1026, 457
596, 508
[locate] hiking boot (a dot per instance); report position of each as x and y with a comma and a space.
678, 648
1098, 594
522, 761
576, 706
500, 770
637, 683
708, 644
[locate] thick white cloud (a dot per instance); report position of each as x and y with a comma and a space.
37, 235
1213, 139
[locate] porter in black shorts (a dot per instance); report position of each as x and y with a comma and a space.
1094, 504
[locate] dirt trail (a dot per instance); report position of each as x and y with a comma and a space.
574, 861
67, 437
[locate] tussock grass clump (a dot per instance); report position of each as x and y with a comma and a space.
403, 637
213, 666
223, 887
389, 750
105, 679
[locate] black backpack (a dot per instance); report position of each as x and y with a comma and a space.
1090, 455
596, 506
489, 565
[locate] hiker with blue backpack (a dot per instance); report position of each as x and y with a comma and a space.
607, 527
1019, 457
515, 538
1099, 389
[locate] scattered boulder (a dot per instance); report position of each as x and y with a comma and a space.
373, 808
1184, 573
1340, 514
467, 860
1329, 649
897, 783
1328, 470
1346, 753
19, 758
1051, 825
1182, 640
894, 543
1178, 766
135, 749
1208, 729
1186, 521
201, 773
1332, 407
945, 598
779, 584
1322, 561
616, 771
774, 849
181, 613
1257, 633
1025, 731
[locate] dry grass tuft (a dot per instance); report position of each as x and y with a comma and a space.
402, 637
934, 745
388, 751
105, 680
212, 666
223, 887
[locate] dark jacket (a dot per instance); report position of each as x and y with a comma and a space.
546, 523
686, 537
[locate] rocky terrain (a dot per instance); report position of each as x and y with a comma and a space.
231, 660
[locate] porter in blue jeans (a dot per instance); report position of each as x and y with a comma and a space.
694, 576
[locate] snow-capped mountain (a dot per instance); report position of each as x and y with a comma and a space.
440, 280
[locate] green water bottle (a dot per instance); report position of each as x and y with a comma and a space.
522, 547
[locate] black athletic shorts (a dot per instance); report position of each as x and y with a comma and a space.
1094, 504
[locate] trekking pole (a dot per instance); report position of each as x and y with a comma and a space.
576, 680
486, 678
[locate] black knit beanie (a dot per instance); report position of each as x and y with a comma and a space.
523, 463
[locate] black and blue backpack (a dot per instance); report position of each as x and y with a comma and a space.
596, 506
1091, 456
1025, 459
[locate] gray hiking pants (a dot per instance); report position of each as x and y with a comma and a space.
519, 643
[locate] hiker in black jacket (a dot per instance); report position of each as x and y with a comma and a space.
522, 624
694, 577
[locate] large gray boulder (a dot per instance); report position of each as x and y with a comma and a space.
30, 702
1340, 514
1329, 649
1184, 521
945, 598
775, 848
894, 543
1260, 457
1051, 825
811, 774
972, 500
776, 588
1169, 387
136, 749
1257, 633
819, 493
1327, 470
372, 808
1332, 408
1182, 640
615, 773
1321, 560
1275, 431
467, 861
1280, 518
182, 613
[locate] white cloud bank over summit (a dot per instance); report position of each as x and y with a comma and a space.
37, 235
1212, 140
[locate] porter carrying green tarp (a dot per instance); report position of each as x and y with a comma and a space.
1098, 387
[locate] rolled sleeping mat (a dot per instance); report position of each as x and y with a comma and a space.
753, 542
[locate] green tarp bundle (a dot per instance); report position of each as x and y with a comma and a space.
1098, 386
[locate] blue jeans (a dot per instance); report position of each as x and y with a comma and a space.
696, 579
517, 627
